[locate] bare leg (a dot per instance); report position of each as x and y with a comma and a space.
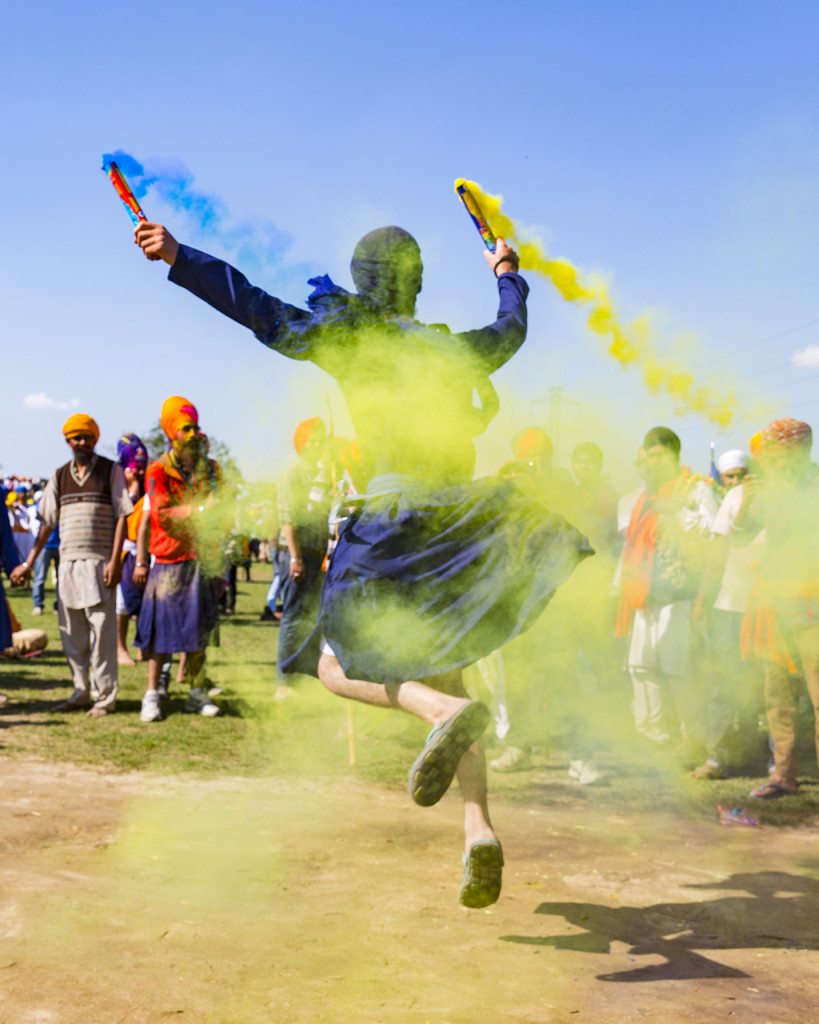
194, 665
123, 657
151, 710
155, 661
472, 778
427, 702
808, 644
434, 706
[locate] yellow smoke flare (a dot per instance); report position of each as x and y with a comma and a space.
632, 344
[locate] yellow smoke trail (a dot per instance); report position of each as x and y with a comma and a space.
632, 344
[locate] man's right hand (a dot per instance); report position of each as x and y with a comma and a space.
156, 242
139, 577
20, 574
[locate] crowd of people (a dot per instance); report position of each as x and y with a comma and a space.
705, 591
396, 569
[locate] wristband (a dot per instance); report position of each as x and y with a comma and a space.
142, 565
506, 259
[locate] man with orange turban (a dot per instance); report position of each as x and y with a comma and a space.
781, 623
88, 498
81, 423
304, 500
180, 609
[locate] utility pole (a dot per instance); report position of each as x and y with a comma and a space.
557, 405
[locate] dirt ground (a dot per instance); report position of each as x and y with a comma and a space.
137, 898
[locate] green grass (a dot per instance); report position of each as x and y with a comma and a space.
306, 736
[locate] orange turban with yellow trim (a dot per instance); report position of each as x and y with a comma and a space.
177, 412
307, 431
81, 423
533, 443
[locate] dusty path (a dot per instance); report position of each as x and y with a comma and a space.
138, 899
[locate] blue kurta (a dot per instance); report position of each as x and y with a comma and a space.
409, 387
435, 570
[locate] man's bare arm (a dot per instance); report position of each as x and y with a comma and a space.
23, 570
291, 538
113, 569
143, 564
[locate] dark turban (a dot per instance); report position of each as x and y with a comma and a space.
387, 268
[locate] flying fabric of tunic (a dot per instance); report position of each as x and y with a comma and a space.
435, 570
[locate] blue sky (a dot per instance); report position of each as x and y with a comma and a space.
671, 146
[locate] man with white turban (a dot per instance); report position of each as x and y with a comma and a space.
732, 467
734, 688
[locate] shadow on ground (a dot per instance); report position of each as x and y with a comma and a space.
779, 911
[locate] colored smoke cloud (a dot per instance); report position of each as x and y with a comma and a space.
631, 344
254, 244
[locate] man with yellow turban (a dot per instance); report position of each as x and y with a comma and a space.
180, 608
88, 499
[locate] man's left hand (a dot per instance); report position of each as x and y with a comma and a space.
156, 241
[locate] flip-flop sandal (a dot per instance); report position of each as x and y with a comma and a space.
434, 768
771, 791
483, 870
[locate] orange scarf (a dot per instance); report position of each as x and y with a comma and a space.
637, 562
640, 550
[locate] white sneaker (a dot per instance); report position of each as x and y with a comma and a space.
36, 611
199, 703
585, 772
513, 759
151, 710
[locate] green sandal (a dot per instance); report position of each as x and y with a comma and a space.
434, 768
483, 870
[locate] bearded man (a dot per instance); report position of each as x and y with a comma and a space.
88, 498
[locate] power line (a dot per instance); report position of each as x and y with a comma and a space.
756, 344
626, 392
790, 383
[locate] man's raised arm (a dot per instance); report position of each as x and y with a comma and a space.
498, 342
275, 323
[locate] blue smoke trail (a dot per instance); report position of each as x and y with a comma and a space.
254, 244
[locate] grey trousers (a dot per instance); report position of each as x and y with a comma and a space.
89, 637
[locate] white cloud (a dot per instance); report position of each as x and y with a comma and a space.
40, 400
806, 357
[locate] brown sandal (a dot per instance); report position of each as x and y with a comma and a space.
773, 790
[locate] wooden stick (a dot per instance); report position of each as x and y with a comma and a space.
351, 751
